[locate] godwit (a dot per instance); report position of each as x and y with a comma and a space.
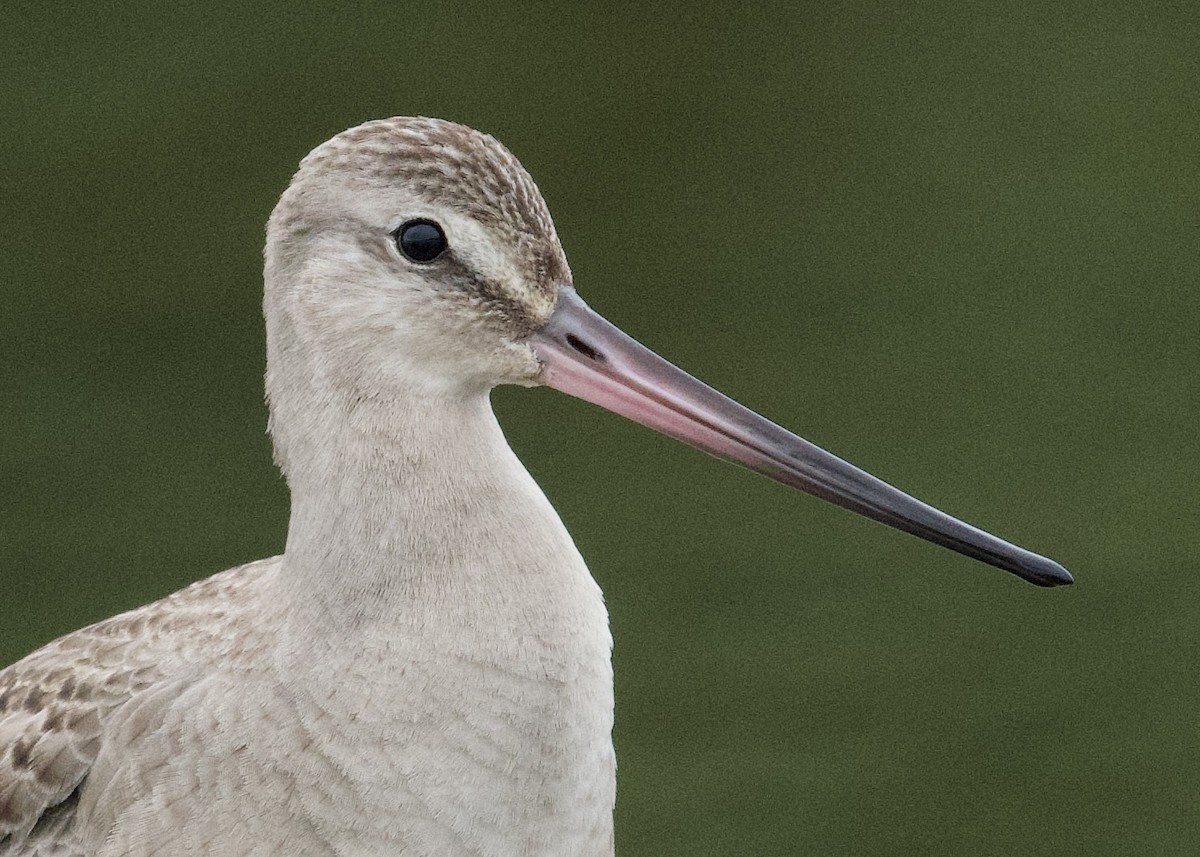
426, 669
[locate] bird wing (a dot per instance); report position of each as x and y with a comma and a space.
54, 703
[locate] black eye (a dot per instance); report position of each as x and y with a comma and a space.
421, 240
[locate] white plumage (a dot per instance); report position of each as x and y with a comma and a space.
426, 670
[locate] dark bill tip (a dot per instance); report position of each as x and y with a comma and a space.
1043, 571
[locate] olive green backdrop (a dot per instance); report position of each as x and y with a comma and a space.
957, 244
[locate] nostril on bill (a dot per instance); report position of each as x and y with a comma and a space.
584, 349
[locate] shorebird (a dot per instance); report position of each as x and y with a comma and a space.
426, 669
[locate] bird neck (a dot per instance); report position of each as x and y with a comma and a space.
426, 572
401, 504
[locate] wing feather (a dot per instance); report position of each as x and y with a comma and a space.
55, 702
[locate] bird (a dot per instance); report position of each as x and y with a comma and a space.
426, 669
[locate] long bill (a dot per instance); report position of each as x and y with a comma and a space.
587, 357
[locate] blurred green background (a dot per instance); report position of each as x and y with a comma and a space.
958, 244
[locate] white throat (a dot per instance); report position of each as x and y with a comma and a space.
431, 572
